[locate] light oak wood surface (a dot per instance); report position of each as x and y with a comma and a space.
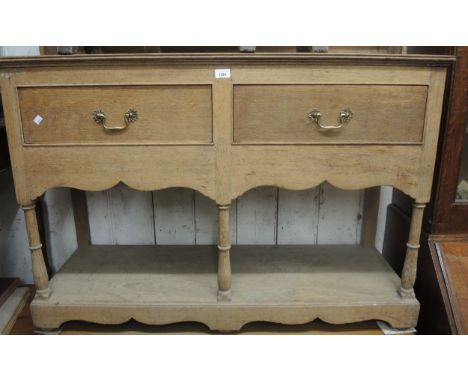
224, 137
166, 114
279, 113
284, 284
24, 326
129, 168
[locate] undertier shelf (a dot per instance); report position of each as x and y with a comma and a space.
167, 284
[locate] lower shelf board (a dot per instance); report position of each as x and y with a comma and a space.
167, 284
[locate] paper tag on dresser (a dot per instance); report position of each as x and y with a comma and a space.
222, 73
37, 119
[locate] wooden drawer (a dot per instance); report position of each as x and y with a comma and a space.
279, 113
166, 114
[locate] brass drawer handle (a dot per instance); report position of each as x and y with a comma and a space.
345, 116
129, 117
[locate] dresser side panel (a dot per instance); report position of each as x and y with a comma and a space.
13, 127
432, 126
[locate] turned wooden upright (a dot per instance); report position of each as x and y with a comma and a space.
41, 279
408, 274
224, 261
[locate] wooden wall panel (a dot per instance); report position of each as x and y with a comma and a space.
59, 226
174, 216
206, 215
340, 214
205, 220
257, 216
15, 259
298, 216
121, 216
265, 215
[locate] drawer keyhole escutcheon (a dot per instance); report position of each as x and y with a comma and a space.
345, 116
129, 117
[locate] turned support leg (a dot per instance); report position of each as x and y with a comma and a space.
408, 275
224, 261
41, 279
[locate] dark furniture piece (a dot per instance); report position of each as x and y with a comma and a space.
4, 157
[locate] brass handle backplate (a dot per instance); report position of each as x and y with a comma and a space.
345, 116
129, 117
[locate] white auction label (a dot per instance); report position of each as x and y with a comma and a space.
222, 73
37, 119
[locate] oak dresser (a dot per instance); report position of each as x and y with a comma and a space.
222, 125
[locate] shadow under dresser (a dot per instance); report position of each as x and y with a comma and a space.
223, 124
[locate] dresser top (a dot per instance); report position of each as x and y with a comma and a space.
7, 63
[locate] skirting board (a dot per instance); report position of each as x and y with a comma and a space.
12, 307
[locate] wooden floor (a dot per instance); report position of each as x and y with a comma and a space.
24, 326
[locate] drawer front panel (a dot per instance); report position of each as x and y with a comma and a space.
279, 114
166, 114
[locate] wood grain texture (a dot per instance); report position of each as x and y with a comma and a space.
388, 173
268, 285
331, 74
11, 309
408, 274
41, 278
433, 318
340, 214
224, 254
7, 286
206, 226
222, 118
257, 216
298, 216
60, 229
279, 113
11, 114
292, 217
121, 216
431, 134
453, 258
95, 169
155, 59
174, 216
450, 216
15, 257
25, 326
287, 284
345, 167
206, 223
166, 114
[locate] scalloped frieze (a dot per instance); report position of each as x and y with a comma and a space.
225, 318
344, 184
